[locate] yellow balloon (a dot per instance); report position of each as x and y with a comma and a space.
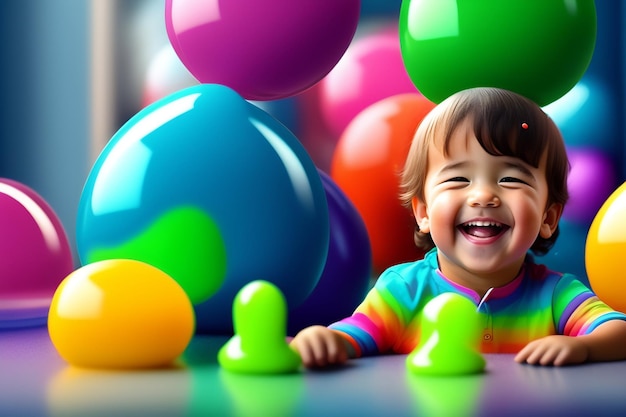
605, 251
120, 314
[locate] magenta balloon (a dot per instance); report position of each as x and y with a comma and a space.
263, 49
591, 181
35, 255
346, 276
371, 70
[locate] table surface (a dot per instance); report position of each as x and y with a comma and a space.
35, 381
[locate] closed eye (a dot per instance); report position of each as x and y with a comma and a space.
457, 179
513, 179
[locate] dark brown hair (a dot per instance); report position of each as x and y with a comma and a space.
497, 116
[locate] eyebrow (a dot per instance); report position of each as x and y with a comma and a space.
520, 167
509, 164
454, 166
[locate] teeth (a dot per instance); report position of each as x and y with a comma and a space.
483, 224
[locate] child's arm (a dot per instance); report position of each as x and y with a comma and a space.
606, 343
320, 346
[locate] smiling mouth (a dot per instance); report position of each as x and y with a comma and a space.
483, 229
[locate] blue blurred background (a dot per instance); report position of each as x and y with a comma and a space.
74, 71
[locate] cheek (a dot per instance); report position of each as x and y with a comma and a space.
528, 213
447, 202
443, 212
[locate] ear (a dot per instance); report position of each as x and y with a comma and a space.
550, 220
421, 215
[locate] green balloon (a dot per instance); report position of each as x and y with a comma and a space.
537, 48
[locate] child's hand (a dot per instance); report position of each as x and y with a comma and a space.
319, 346
554, 350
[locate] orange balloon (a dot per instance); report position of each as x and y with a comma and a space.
366, 165
605, 251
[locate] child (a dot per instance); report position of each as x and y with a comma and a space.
486, 179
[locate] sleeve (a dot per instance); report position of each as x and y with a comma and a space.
380, 320
578, 310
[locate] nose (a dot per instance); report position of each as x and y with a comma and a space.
483, 196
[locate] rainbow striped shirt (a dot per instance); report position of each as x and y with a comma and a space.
537, 303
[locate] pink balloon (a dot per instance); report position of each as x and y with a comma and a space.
35, 255
591, 181
263, 49
371, 70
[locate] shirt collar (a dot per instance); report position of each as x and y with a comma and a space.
495, 293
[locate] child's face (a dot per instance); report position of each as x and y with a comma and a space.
483, 212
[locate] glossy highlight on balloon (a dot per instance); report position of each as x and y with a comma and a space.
588, 115
35, 255
263, 49
538, 49
120, 314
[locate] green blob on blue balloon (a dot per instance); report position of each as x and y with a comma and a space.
184, 243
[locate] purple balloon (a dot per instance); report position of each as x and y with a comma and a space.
591, 181
35, 256
345, 279
263, 49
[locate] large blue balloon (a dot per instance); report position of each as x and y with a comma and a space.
214, 191
348, 270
